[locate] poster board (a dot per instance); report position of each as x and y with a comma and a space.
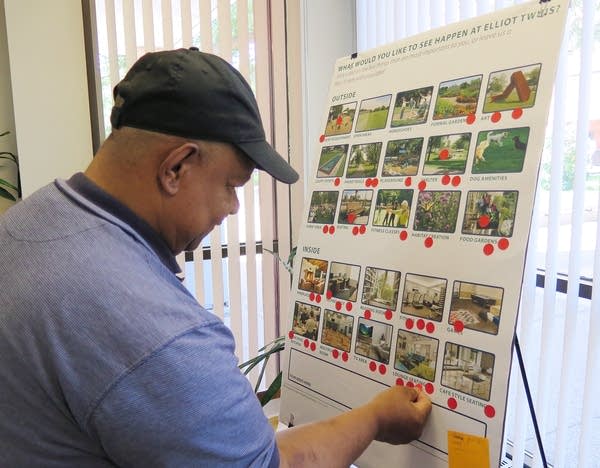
411, 253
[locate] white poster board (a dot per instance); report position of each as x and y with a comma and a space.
410, 259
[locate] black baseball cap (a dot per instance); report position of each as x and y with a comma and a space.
192, 94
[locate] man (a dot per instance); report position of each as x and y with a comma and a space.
105, 358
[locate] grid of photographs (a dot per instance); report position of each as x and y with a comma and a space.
416, 354
392, 208
313, 273
477, 306
468, 370
306, 320
337, 330
424, 296
381, 288
373, 340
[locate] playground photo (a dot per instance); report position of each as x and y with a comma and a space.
437, 211
411, 107
343, 281
340, 119
416, 355
402, 157
392, 208
500, 151
374, 340
468, 370
332, 161
373, 113
313, 273
424, 296
457, 98
476, 306
337, 330
381, 288
447, 154
306, 320
512, 89
363, 160
355, 206
490, 213
322, 207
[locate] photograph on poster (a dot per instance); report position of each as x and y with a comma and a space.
355, 206
402, 157
437, 211
424, 296
373, 340
416, 354
500, 151
343, 281
313, 273
340, 119
447, 154
457, 98
373, 113
490, 213
381, 288
468, 370
306, 320
322, 206
392, 208
411, 107
476, 306
337, 330
513, 88
332, 161
363, 160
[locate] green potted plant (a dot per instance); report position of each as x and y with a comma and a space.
10, 190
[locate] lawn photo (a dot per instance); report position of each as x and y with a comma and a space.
457, 98
447, 154
343, 281
411, 107
476, 306
402, 157
381, 288
500, 151
332, 161
424, 296
392, 208
373, 113
373, 340
313, 273
306, 320
340, 119
322, 207
416, 355
363, 160
468, 370
512, 89
337, 330
437, 211
490, 213
355, 206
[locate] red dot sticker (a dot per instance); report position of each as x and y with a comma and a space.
329, 294
410, 323
517, 113
331, 229
337, 181
430, 327
429, 388
322, 138
338, 305
306, 343
375, 182
422, 185
496, 116
335, 353
489, 411
444, 154
311, 296
400, 382
355, 231
428, 242
483, 221
368, 182
367, 314
372, 366
382, 369
362, 229
503, 243
458, 326
345, 356
348, 306
419, 386
446, 179
471, 119
313, 346
408, 181
410, 384
452, 404
420, 324
291, 334
318, 298
389, 314
488, 249
456, 180
351, 217
325, 229
403, 235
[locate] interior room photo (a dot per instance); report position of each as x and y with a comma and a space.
468, 370
424, 296
313, 273
477, 306
416, 354
337, 330
373, 340
343, 281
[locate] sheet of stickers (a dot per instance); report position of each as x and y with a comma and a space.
411, 253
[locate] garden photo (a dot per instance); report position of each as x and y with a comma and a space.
411, 107
490, 213
447, 154
373, 113
337, 330
306, 320
468, 370
332, 161
437, 211
392, 208
512, 89
363, 160
457, 98
373, 340
381, 288
424, 296
322, 207
313, 273
355, 206
416, 354
476, 306
343, 281
402, 157
340, 119
500, 151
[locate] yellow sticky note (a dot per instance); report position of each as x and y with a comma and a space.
467, 451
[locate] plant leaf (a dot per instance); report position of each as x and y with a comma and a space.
6, 183
6, 194
272, 390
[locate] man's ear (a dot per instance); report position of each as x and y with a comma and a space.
175, 165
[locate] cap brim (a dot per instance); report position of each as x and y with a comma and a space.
269, 160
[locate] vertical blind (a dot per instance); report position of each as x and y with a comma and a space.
228, 273
559, 322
